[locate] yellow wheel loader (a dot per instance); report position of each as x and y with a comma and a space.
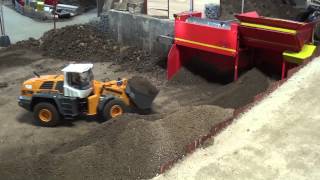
52, 98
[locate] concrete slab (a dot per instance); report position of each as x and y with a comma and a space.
176, 6
20, 27
277, 139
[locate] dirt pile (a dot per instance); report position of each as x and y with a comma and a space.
230, 95
186, 77
79, 42
131, 147
143, 85
31, 44
85, 43
242, 92
269, 8
131, 58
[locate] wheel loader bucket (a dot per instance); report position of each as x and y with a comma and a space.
141, 92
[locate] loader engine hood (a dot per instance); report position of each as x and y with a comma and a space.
36, 82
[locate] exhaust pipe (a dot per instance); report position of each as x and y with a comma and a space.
191, 5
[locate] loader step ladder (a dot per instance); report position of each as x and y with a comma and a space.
68, 107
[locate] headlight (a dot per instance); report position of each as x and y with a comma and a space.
28, 86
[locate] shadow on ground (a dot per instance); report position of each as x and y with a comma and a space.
27, 118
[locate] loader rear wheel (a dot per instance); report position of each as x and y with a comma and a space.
46, 114
113, 108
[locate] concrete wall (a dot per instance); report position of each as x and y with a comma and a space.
176, 6
140, 30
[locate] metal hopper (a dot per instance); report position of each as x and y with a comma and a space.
275, 34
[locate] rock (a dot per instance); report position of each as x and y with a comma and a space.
3, 85
82, 44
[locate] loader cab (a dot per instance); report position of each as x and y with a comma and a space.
78, 80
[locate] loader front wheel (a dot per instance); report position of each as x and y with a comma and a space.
113, 108
46, 114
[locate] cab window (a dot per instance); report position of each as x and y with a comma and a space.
80, 81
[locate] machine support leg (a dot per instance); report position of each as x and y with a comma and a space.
236, 61
283, 71
252, 59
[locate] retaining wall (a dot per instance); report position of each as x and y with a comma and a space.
138, 30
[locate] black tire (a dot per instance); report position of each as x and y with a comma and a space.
54, 118
109, 106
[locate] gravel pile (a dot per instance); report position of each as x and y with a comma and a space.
131, 147
240, 93
186, 77
231, 95
86, 43
31, 44
79, 42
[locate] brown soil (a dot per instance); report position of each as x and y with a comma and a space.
268, 8
231, 95
86, 44
142, 84
131, 147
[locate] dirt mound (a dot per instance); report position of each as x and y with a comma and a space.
143, 85
86, 43
185, 77
230, 95
131, 147
80, 42
31, 44
131, 58
141, 92
269, 8
242, 92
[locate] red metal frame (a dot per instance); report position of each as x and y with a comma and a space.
236, 62
275, 40
204, 38
220, 46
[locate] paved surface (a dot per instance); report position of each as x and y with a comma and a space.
176, 6
277, 139
20, 27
